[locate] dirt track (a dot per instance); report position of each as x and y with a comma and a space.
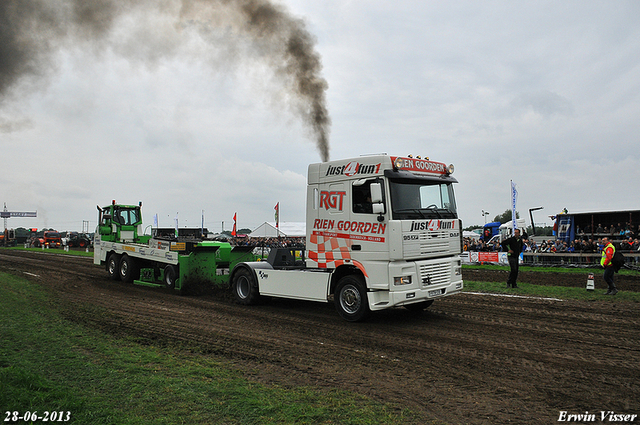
469, 359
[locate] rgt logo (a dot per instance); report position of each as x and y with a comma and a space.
331, 200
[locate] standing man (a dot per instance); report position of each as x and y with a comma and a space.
607, 255
513, 246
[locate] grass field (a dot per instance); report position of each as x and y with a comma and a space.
560, 292
579, 270
78, 252
50, 364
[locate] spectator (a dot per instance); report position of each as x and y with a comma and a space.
605, 262
514, 246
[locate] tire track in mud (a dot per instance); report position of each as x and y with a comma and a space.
469, 359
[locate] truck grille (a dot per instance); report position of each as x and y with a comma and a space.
432, 243
435, 274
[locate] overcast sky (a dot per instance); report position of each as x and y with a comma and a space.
544, 93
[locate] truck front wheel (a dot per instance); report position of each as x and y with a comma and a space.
245, 287
112, 267
351, 298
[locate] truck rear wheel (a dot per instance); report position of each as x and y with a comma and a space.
170, 276
129, 270
245, 288
113, 262
351, 298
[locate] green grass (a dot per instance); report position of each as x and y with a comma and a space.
534, 269
80, 253
596, 270
561, 292
48, 363
569, 293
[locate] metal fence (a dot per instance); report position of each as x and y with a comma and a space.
577, 259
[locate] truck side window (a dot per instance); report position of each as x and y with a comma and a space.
362, 199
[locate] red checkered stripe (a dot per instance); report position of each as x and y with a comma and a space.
331, 252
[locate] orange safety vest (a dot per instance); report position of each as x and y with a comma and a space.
605, 261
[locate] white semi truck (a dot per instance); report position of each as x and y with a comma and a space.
382, 231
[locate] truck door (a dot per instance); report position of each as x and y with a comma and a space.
366, 230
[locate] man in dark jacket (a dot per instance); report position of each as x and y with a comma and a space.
513, 246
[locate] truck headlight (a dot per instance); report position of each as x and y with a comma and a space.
402, 280
457, 268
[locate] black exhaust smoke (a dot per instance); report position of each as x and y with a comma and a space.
33, 31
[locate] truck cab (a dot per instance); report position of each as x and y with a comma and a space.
390, 221
506, 230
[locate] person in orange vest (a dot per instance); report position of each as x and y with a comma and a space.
607, 255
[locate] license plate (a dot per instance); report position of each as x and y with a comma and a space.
435, 293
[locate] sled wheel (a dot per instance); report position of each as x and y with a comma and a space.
170, 276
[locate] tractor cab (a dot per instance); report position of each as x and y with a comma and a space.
121, 223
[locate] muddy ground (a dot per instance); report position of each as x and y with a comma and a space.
469, 359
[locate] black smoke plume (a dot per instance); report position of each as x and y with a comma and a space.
33, 31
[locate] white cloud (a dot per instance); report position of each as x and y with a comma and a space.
546, 94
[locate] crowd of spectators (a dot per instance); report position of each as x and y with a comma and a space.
273, 242
577, 246
625, 238
619, 231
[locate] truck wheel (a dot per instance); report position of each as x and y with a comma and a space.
129, 270
112, 267
351, 298
417, 307
170, 276
245, 288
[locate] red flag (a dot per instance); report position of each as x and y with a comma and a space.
277, 208
233, 232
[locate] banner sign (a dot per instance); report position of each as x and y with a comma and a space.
514, 197
481, 257
7, 214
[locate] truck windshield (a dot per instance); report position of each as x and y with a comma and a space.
422, 199
127, 216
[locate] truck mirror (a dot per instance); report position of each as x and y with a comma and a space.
378, 208
376, 193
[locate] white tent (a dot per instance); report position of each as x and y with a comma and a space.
286, 229
468, 234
